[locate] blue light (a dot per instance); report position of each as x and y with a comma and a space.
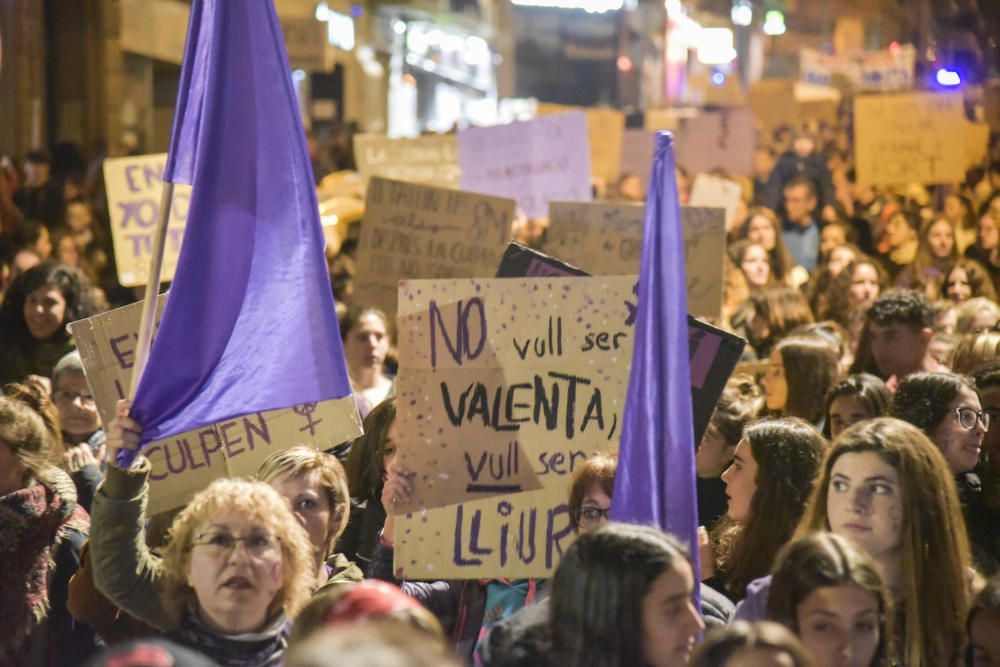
949, 78
718, 78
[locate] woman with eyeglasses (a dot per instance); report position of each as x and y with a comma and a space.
947, 408
79, 425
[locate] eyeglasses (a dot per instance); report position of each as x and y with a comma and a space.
967, 417
67, 397
593, 514
258, 545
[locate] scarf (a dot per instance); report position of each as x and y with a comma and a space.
33, 522
252, 649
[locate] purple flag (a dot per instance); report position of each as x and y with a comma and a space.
250, 322
655, 483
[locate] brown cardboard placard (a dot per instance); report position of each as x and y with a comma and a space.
184, 464
431, 159
716, 139
505, 386
606, 239
977, 143
605, 129
134, 186
909, 138
420, 231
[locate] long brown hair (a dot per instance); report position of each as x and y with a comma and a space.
935, 549
366, 460
788, 454
781, 259
810, 364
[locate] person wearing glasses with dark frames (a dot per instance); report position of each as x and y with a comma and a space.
947, 407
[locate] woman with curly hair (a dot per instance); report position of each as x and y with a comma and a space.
967, 279
33, 319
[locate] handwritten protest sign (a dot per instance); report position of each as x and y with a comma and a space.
714, 192
977, 143
419, 231
431, 159
505, 386
534, 162
184, 464
134, 186
605, 129
909, 138
773, 103
717, 139
666, 119
605, 239
637, 154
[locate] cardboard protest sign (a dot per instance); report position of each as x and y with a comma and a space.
184, 464
419, 231
991, 104
605, 129
714, 192
977, 143
534, 162
431, 159
717, 139
637, 154
773, 103
909, 138
520, 261
505, 386
666, 119
878, 71
606, 239
134, 186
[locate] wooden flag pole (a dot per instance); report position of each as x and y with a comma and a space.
152, 289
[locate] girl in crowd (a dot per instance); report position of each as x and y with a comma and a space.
885, 487
751, 645
753, 260
773, 314
986, 250
33, 319
975, 351
41, 534
947, 408
832, 596
367, 338
800, 372
957, 210
762, 227
855, 289
967, 279
838, 259
740, 402
621, 596
80, 426
767, 485
984, 627
936, 252
976, 315
854, 399
367, 466
901, 241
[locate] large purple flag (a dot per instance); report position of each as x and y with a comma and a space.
250, 322
655, 483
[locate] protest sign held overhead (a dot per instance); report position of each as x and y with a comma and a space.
505, 386
534, 162
606, 239
419, 231
909, 138
430, 159
717, 140
709, 191
637, 154
185, 463
605, 129
134, 186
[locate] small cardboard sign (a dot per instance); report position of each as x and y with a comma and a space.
717, 140
134, 186
605, 130
606, 239
909, 138
184, 464
714, 192
638, 147
977, 143
534, 162
430, 160
420, 231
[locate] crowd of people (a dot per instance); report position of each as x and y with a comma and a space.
848, 485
